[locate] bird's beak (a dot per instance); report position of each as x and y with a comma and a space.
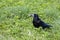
31, 15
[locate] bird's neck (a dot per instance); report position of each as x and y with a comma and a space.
36, 18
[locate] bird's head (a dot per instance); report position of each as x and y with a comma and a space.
33, 15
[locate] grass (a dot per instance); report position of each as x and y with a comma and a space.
15, 24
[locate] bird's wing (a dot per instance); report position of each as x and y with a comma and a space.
38, 21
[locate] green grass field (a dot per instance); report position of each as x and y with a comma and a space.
15, 24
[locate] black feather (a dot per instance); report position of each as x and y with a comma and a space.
37, 22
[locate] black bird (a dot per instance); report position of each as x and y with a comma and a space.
37, 22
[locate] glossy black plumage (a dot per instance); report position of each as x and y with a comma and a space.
37, 22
